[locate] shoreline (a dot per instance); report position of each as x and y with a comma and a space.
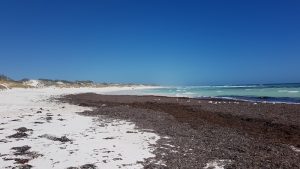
253, 99
164, 132
126, 89
203, 133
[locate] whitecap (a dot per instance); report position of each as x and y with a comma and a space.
288, 91
188, 93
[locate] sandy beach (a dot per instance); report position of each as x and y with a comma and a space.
90, 128
38, 131
112, 84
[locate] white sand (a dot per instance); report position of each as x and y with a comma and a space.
99, 141
217, 164
3, 85
295, 149
33, 83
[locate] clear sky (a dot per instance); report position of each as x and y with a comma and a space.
152, 41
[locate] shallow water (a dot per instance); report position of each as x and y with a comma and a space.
288, 93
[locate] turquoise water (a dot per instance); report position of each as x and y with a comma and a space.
269, 92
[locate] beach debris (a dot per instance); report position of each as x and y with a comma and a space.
21, 133
23, 129
18, 160
49, 114
88, 166
62, 139
108, 151
48, 118
4, 141
18, 135
21, 150
83, 104
85, 166
2, 155
38, 122
24, 151
25, 166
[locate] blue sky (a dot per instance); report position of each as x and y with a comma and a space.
163, 42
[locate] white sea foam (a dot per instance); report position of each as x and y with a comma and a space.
288, 91
188, 93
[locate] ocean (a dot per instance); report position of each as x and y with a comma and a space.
284, 93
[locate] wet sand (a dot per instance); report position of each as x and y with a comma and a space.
205, 133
